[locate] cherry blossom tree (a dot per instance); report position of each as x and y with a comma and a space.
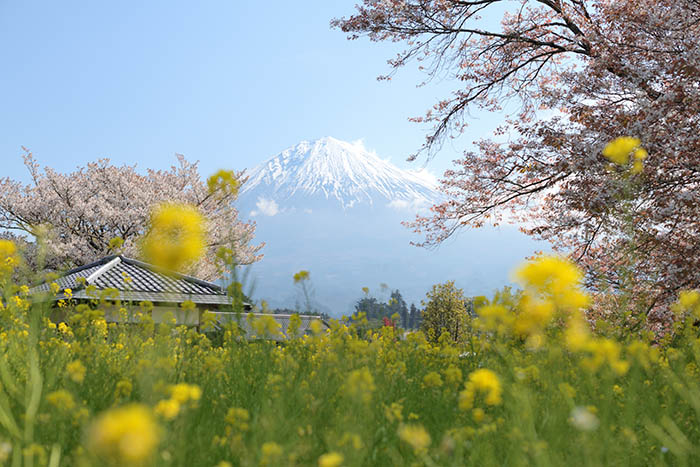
582, 72
103, 209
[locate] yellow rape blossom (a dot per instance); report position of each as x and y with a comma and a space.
331, 459
534, 316
76, 371
567, 390
61, 399
294, 325
620, 149
352, 439
316, 327
481, 381
577, 334
123, 389
605, 351
688, 301
553, 277
359, 385
115, 243
453, 375
301, 276
223, 182
238, 418
394, 412
177, 238
495, 318
9, 258
168, 409
266, 326
270, 453
184, 393
644, 354
432, 380
416, 436
126, 435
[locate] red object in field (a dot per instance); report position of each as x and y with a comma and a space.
388, 322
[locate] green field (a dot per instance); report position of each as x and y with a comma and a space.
529, 385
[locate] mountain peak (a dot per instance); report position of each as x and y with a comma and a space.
338, 170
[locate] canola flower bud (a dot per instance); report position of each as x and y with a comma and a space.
177, 238
301, 276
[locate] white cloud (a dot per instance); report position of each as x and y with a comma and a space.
308, 211
359, 143
400, 204
416, 205
425, 175
266, 207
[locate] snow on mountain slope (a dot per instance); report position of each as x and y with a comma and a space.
337, 170
335, 209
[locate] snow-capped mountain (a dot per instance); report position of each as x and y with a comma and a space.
336, 170
335, 209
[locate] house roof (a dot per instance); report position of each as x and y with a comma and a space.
136, 281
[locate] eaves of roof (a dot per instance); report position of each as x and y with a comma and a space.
133, 280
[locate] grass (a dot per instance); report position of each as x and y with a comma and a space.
290, 403
527, 384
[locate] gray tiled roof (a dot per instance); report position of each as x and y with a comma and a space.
136, 281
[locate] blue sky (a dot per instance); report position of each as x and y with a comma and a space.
227, 83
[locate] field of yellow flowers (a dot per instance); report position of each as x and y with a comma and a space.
532, 386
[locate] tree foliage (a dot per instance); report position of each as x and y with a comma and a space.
375, 310
397, 306
80, 214
598, 69
372, 308
445, 311
414, 317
